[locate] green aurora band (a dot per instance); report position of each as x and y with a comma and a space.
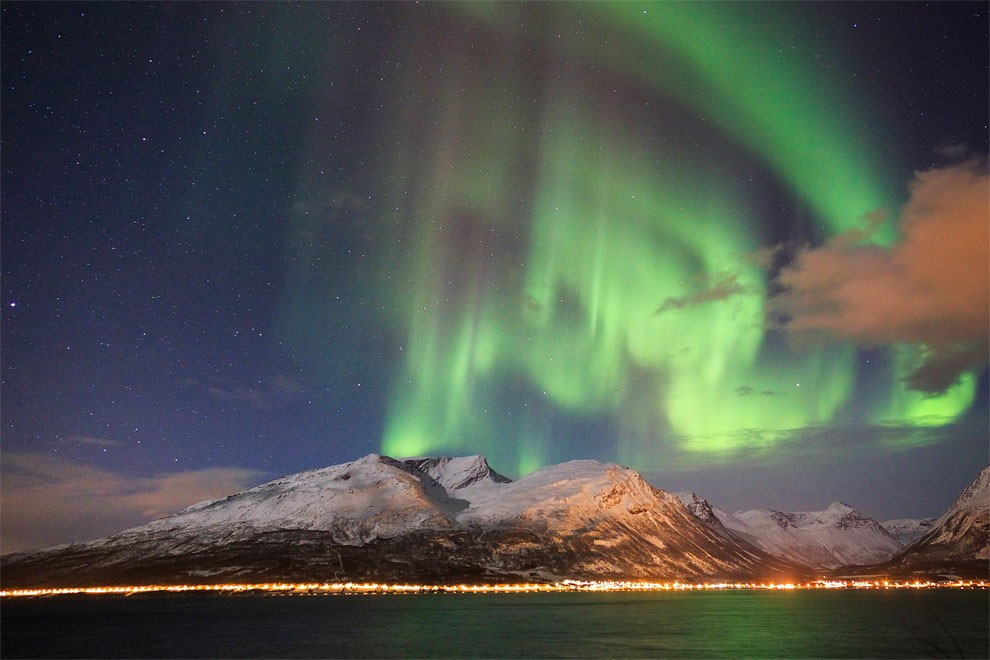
602, 266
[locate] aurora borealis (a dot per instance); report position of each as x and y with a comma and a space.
715, 242
623, 282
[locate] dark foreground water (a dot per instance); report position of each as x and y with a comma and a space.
731, 624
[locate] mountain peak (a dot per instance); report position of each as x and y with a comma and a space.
456, 472
976, 494
700, 508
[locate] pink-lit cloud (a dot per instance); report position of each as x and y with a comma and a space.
46, 499
931, 288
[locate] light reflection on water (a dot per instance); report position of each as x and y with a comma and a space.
730, 624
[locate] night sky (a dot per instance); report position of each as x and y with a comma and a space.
742, 248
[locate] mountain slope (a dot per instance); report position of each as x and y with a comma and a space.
355, 502
837, 536
958, 542
610, 522
427, 519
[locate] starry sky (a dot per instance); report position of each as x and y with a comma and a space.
741, 248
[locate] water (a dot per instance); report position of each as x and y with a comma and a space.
731, 624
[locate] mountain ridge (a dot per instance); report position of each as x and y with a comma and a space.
835, 536
416, 519
455, 519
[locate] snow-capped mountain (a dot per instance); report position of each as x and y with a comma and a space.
423, 519
837, 536
370, 498
907, 530
959, 541
456, 519
355, 502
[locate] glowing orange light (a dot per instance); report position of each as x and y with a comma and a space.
565, 585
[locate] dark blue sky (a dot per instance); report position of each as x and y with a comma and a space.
205, 283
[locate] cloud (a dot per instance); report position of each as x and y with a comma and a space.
725, 288
953, 151
79, 440
767, 257
746, 390
47, 500
280, 392
931, 288
331, 203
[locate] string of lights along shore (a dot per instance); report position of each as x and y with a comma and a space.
351, 588
729, 245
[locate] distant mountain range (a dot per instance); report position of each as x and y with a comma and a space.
456, 519
837, 536
908, 530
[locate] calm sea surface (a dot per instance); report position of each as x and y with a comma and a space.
731, 624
